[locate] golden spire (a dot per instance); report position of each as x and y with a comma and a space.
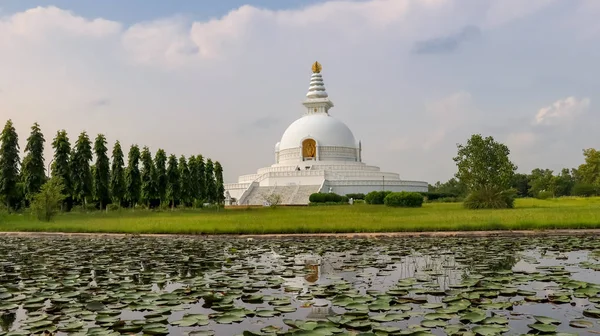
316, 67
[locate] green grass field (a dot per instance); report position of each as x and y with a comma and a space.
529, 214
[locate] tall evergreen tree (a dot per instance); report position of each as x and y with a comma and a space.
80, 168
148, 177
117, 175
173, 191
160, 167
201, 177
61, 166
34, 170
184, 181
194, 187
101, 172
133, 179
211, 184
219, 182
9, 163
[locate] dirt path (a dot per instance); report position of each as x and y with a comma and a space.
499, 233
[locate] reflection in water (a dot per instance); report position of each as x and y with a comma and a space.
214, 277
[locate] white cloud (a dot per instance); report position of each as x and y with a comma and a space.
190, 87
561, 111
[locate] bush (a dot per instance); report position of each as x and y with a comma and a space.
584, 189
327, 198
404, 199
544, 195
113, 207
376, 197
46, 204
491, 198
356, 196
434, 196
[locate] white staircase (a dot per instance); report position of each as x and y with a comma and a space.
290, 194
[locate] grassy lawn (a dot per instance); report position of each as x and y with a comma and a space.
529, 214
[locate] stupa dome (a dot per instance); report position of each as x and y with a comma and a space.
321, 127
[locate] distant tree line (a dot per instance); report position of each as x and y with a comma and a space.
541, 183
89, 178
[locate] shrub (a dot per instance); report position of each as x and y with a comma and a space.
376, 197
404, 199
356, 196
46, 204
584, 189
544, 194
113, 207
434, 196
327, 198
491, 198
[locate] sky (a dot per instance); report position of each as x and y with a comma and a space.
411, 78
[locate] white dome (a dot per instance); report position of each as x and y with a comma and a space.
324, 129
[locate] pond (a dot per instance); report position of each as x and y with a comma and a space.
299, 286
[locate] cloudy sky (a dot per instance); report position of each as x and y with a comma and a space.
224, 78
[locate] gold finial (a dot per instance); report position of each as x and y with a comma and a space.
316, 68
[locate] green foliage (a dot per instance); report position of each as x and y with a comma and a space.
211, 185
404, 199
541, 180
589, 172
46, 204
563, 183
113, 207
101, 172
160, 165
435, 196
520, 182
34, 169
61, 167
201, 166
185, 192
194, 183
173, 184
219, 183
490, 198
149, 177
487, 172
9, 164
133, 179
356, 196
117, 175
376, 197
452, 187
327, 198
544, 194
584, 189
80, 168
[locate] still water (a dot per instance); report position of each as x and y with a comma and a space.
371, 286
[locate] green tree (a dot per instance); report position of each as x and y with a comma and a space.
47, 202
160, 165
520, 182
219, 183
117, 175
486, 170
101, 172
211, 184
9, 164
34, 170
80, 168
185, 192
133, 179
194, 178
173, 183
61, 167
148, 177
589, 172
541, 180
564, 183
201, 177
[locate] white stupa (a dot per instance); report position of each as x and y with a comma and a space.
317, 153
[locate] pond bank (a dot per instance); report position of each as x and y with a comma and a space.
496, 233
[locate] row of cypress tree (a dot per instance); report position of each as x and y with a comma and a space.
91, 178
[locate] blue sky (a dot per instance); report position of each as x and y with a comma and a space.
411, 78
132, 11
